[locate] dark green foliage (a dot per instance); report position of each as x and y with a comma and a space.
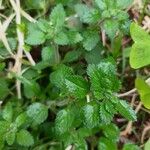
69, 96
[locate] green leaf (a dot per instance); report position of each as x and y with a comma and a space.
144, 91
86, 14
4, 125
61, 39
103, 79
24, 138
140, 52
72, 56
106, 112
91, 39
147, 145
111, 27
4, 91
58, 77
102, 4
126, 110
37, 113
57, 17
124, 3
48, 54
22, 119
74, 37
35, 35
10, 137
106, 144
77, 85
130, 146
111, 131
64, 121
8, 112
91, 115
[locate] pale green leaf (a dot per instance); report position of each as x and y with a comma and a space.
140, 52
144, 91
61, 39
147, 145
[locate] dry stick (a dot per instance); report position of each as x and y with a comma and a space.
146, 129
18, 64
28, 17
132, 91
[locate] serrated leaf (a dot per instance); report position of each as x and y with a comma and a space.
103, 79
35, 35
106, 144
58, 76
64, 120
57, 16
74, 37
105, 115
140, 52
126, 110
111, 131
22, 119
77, 85
144, 91
8, 112
111, 27
86, 14
91, 115
102, 4
91, 38
61, 39
37, 113
24, 138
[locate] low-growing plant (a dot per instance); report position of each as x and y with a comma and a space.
58, 79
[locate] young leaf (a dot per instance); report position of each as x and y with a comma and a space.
24, 138
126, 110
37, 113
140, 52
144, 91
57, 16
91, 38
86, 14
35, 35
61, 39
77, 86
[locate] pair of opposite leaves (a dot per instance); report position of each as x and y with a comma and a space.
140, 57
